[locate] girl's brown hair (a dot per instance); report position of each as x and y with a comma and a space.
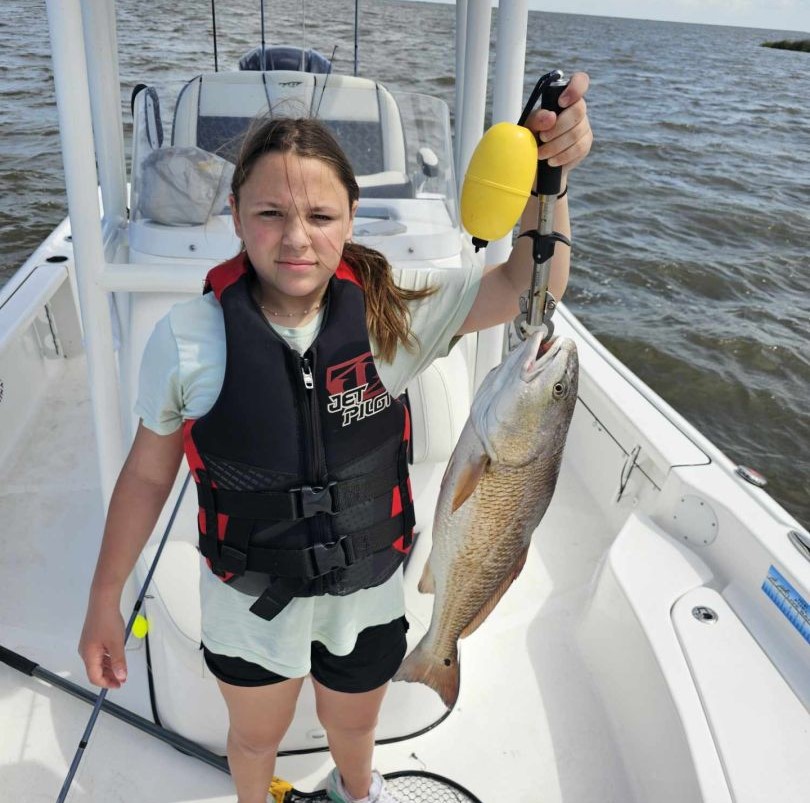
387, 314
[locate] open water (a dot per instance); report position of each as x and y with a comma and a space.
691, 218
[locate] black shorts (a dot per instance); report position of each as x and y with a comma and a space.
373, 661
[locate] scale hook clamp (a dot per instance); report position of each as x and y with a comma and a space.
543, 244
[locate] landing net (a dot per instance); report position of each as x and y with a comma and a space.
406, 787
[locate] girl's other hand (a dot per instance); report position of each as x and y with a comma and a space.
101, 645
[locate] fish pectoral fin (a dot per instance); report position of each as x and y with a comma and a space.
427, 583
489, 605
468, 479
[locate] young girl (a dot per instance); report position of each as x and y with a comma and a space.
280, 383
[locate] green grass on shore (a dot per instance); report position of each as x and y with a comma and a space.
787, 44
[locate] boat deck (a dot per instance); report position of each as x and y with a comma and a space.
526, 697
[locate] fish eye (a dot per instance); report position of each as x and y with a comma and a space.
560, 390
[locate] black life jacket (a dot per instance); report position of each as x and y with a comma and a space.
301, 465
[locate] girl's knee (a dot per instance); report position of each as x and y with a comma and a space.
354, 714
258, 744
259, 717
355, 724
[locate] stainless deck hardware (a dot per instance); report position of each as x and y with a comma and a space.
704, 614
627, 469
801, 542
751, 475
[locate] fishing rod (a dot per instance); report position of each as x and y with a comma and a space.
325, 82
214, 23
304, 48
356, 31
35, 670
282, 791
134, 615
264, 56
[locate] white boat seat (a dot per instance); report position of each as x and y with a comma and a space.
214, 110
439, 400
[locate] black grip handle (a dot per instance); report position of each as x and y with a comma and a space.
549, 179
17, 661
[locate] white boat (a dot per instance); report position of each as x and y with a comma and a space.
655, 649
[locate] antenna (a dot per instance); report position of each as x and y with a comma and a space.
356, 31
214, 20
303, 35
325, 81
264, 58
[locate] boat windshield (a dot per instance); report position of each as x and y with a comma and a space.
399, 145
429, 149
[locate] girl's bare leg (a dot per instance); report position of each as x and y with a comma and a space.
349, 721
259, 718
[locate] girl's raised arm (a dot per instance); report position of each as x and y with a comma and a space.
565, 140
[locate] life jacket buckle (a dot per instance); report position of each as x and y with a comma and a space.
315, 499
232, 560
327, 557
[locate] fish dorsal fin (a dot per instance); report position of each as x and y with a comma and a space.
468, 478
489, 605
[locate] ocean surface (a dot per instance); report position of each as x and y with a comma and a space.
691, 220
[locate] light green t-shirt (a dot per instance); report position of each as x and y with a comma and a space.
181, 376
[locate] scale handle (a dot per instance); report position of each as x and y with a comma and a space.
549, 179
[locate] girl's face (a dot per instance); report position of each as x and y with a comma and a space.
294, 218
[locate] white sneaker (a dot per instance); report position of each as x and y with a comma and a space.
376, 794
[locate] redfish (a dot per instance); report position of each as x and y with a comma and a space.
497, 486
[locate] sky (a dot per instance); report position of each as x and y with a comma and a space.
783, 15
787, 15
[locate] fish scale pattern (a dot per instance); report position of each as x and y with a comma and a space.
494, 536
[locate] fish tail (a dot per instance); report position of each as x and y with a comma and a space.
440, 674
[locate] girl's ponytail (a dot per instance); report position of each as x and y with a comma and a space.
387, 314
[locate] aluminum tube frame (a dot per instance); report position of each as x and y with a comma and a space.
507, 103
461, 49
473, 24
98, 18
81, 184
507, 94
510, 60
105, 104
476, 68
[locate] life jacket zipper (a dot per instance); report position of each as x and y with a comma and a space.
312, 418
306, 372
